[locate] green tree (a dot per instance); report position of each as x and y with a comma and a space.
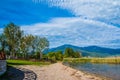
77, 54
55, 56
59, 55
26, 45
20, 45
3, 42
52, 56
69, 52
40, 44
13, 35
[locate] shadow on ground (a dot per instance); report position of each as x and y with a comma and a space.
13, 73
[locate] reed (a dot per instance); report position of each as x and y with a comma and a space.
109, 60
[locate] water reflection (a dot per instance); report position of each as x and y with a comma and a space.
107, 70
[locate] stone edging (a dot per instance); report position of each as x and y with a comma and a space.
28, 74
3, 66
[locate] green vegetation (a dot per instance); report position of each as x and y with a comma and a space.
59, 55
25, 62
69, 52
16, 44
55, 56
94, 60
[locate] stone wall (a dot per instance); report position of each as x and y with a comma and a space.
2, 66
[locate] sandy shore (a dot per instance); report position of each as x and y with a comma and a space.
58, 71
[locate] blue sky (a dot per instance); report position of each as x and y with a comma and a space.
75, 22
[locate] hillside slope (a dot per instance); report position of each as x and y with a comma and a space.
93, 51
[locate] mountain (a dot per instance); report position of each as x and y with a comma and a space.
93, 51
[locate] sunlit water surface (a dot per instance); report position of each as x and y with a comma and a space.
111, 71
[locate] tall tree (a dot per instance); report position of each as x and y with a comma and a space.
40, 44
13, 35
3, 43
17, 42
26, 45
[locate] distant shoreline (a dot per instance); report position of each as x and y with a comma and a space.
108, 60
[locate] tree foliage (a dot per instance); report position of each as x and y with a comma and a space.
59, 55
40, 44
69, 52
55, 55
14, 41
3, 42
13, 36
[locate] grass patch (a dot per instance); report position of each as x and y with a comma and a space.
25, 62
94, 60
8, 75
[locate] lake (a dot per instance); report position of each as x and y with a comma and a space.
111, 71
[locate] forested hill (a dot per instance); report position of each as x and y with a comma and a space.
93, 51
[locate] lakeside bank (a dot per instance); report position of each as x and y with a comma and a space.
108, 67
109, 60
58, 71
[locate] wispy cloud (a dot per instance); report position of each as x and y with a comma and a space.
76, 31
102, 10
76, 22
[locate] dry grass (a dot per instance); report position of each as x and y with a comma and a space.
109, 60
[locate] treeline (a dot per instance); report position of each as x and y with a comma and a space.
59, 55
16, 44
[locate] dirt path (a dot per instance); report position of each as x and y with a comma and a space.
58, 71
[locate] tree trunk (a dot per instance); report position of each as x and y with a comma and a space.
40, 55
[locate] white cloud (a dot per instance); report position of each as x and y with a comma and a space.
107, 11
76, 31
91, 26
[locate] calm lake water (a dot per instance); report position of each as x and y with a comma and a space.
111, 71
